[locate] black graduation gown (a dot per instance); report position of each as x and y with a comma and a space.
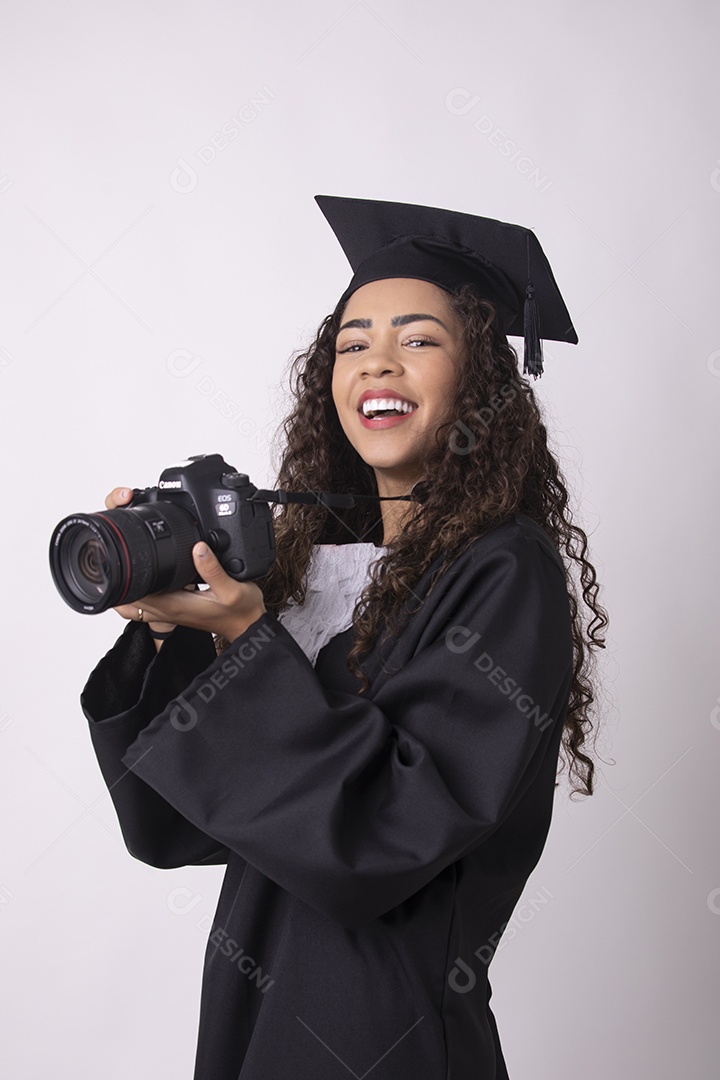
376, 844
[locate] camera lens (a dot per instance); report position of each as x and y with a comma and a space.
99, 561
86, 564
92, 562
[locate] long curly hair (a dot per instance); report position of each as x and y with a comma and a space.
491, 460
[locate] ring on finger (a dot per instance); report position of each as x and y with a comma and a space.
139, 616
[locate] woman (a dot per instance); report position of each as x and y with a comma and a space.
370, 740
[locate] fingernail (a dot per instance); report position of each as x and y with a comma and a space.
201, 550
124, 493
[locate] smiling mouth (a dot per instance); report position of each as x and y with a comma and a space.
373, 409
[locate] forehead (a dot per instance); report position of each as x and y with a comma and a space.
397, 296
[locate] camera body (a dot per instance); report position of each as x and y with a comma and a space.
116, 556
215, 495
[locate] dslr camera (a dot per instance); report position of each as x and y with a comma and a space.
113, 557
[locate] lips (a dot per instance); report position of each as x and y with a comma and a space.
373, 407
383, 392
388, 395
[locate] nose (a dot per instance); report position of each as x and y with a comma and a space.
379, 358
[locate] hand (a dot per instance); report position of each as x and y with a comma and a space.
119, 497
228, 607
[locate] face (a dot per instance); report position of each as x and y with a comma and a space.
399, 339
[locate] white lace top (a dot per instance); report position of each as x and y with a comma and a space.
336, 575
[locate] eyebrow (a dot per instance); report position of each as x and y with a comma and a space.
397, 320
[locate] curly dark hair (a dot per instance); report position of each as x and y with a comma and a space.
505, 466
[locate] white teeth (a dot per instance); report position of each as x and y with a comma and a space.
377, 404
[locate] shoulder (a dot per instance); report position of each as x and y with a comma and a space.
514, 570
516, 547
515, 564
507, 587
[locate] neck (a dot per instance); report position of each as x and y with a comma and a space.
395, 515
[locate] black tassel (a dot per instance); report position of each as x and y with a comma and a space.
533, 358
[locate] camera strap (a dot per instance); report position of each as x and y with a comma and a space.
324, 498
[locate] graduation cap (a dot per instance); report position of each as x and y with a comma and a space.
504, 262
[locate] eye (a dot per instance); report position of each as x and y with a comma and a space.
420, 341
353, 345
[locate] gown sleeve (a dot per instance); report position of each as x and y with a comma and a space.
352, 802
132, 683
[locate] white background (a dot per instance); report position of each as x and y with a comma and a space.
131, 239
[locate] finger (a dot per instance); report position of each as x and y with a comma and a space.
130, 612
209, 568
149, 609
118, 497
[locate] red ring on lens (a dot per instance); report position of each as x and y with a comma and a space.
125, 549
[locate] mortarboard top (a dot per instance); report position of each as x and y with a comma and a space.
504, 262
